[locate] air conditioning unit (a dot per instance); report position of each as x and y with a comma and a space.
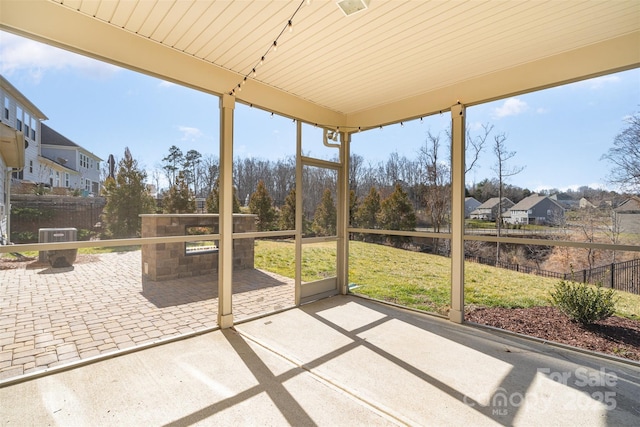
51, 235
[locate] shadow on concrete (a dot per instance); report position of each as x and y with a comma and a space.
271, 384
174, 292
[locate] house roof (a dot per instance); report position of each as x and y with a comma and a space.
57, 165
493, 202
531, 201
631, 204
11, 89
394, 61
49, 136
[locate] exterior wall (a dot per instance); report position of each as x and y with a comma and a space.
88, 173
470, 204
23, 118
165, 261
629, 221
4, 203
546, 212
518, 217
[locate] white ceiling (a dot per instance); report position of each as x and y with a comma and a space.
394, 60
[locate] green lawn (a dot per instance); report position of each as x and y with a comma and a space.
419, 280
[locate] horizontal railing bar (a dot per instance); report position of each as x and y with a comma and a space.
262, 234
308, 240
401, 233
546, 242
76, 244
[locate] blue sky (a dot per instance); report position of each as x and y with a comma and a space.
558, 134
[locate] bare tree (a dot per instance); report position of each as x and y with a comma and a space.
625, 156
474, 146
437, 179
503, 171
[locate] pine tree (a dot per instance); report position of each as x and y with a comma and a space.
260, 204
353, 206
179, 198
367, 214
213, 200
396, 213
127, 197
324, 219
288, 212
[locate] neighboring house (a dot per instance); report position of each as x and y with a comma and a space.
584, 204
536, 209
470, 204
628, 215
488, 211
19, 145
21, 114
11, 157
68, 164
566, 203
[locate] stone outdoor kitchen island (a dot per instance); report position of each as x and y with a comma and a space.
165, 261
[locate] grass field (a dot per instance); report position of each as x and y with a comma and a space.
419, 280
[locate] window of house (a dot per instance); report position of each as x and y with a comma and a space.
30, 166
19, 118
27, 122
66, 180
87, 185
6, 108
33, 128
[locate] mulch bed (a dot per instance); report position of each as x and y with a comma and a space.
617, 336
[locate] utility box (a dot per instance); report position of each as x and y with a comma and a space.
60, 257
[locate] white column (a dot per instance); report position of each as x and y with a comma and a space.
343, 215
299, 228
225, 255
456, 314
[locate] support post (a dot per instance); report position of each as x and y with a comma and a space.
299, 217
225, 260
344, 196
456, 314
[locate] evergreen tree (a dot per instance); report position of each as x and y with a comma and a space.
212, 203
179, 198
127, 197
260, 204
288, 212
367, 214
353, 207
324, 219
396, 213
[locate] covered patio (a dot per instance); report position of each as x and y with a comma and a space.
340, 360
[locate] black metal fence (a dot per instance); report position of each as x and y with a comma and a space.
622, 276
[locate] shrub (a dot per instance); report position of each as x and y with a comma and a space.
24, 237
584, 303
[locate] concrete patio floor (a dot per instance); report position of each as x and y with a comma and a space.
52, 317
339, 361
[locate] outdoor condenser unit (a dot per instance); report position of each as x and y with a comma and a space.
51, 235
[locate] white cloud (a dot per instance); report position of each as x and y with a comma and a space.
600, 82
165, 83
189, 133
20, 55
510, 107
542, 110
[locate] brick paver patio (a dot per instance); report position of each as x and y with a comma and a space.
50, 317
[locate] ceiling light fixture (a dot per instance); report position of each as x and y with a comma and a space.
349, 7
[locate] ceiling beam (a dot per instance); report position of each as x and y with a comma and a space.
614, 55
